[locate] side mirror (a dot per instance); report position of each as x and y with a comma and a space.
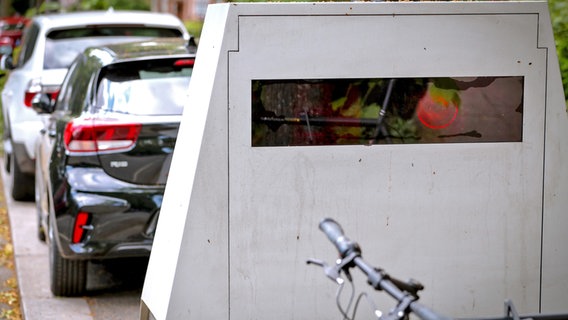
6, 62
192, 45
42, 104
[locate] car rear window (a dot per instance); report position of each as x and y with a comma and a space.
62, 46
145, 87
114, 31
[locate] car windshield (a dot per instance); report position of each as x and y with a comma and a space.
62, 46
153, 90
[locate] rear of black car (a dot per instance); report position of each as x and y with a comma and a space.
104, 153
118, 157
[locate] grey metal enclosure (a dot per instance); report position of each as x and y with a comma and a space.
435, 132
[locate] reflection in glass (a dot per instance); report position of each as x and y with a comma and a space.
386, 111
144, 88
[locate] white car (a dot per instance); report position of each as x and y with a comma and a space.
50, 44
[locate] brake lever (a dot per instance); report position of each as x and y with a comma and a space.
331, 272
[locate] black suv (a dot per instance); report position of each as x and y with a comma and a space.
104, 155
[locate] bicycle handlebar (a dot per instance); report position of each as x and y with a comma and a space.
404, 293
335, 234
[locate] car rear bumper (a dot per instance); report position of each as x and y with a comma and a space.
121, 221
26, 163
23, 138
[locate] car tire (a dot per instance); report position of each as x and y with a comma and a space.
22, 185
41, 204
6, 157
68, 277
40, 233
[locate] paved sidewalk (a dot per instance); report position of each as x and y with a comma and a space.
32, 267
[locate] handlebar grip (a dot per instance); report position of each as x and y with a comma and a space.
335, 234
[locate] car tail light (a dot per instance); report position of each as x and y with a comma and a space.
81, 225
34, 87
184, 63
100, 135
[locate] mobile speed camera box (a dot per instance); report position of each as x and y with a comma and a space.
434, 132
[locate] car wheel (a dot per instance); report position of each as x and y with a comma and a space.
6, 157
6, 137
68, 277
41, 203
21, 184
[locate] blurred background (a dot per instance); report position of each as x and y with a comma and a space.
192, 12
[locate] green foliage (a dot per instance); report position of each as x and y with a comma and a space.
83, 5
43, 8
143, 5
559, 17
194, 28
